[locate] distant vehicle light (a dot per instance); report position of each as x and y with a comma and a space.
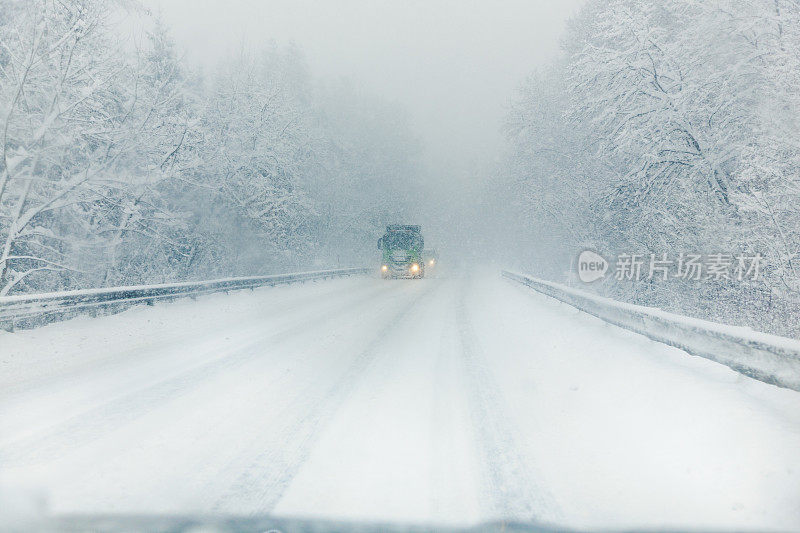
430, 262
415, 268
384, 268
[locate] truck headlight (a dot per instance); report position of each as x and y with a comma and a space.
415, 268
384, 268
430, 262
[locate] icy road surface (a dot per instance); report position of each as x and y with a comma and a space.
449, 400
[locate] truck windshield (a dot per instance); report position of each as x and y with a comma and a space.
401, 240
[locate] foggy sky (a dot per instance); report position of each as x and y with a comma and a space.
452, 63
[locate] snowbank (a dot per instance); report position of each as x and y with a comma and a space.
765, 357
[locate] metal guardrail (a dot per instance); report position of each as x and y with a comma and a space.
768, 358
29, 310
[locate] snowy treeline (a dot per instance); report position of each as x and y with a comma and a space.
120, 164
669, 126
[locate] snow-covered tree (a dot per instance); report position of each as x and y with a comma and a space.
672, 127
257, 143
64, 125
90, 130
143, 231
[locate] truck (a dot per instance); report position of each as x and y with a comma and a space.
401, 252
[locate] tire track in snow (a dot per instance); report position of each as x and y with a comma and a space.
452, 478
511, 490
442, 421
83, 428
266, 479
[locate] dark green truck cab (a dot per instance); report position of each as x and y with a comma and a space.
401, 252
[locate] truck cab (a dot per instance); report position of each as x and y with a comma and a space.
401, 252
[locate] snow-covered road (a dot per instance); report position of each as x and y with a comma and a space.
447, 400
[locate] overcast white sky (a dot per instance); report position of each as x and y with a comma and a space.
453, 64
